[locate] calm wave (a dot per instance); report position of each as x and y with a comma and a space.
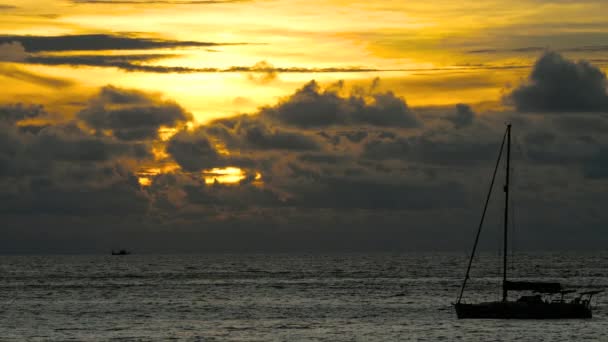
278, 297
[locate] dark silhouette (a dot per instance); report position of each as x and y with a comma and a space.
543, 304
121, 252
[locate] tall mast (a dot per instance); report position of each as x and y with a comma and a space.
504, 248
483, 215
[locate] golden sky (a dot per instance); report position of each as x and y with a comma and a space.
436, 53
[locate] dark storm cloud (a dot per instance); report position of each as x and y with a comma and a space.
374, 194
464, 116
583, 123
130, 114
243, 196
70, 143
20, 111
597, 166
263, 137
49, 195
253, 132
318, 164
26, 152
323, 158
59, 168
549, 149
355, 136
311, 106
448, 150
97, 42
559, 85
193, 151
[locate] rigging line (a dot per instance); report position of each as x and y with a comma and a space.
483, 215
514, 180
517, 173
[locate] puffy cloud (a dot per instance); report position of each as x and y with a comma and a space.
109, 191
332, 166
559, 85
38, 151
130, 114
464, 116
68, 142
51, 167
311, 106
255, 133
193, 151
20, 111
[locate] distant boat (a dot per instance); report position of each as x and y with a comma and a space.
121, 252
547, 300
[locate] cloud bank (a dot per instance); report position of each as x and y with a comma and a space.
323, 168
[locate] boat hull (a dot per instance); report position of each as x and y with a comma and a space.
519, 310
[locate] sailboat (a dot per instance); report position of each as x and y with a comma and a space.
547, 300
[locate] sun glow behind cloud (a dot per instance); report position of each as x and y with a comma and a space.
224, 175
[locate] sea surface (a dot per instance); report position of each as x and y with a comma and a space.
280, 297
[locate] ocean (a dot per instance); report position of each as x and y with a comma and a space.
280, 297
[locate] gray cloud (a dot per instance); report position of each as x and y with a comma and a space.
357, 168
59, 168
85, 196
449, 150
97, 42
583, 123
560, 85
31, 151
193, 151
19, 111
253, 132
597, 166
464, 116
70, 143
265, 138
130, 114
311, 106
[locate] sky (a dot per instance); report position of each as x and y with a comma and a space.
273, 125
